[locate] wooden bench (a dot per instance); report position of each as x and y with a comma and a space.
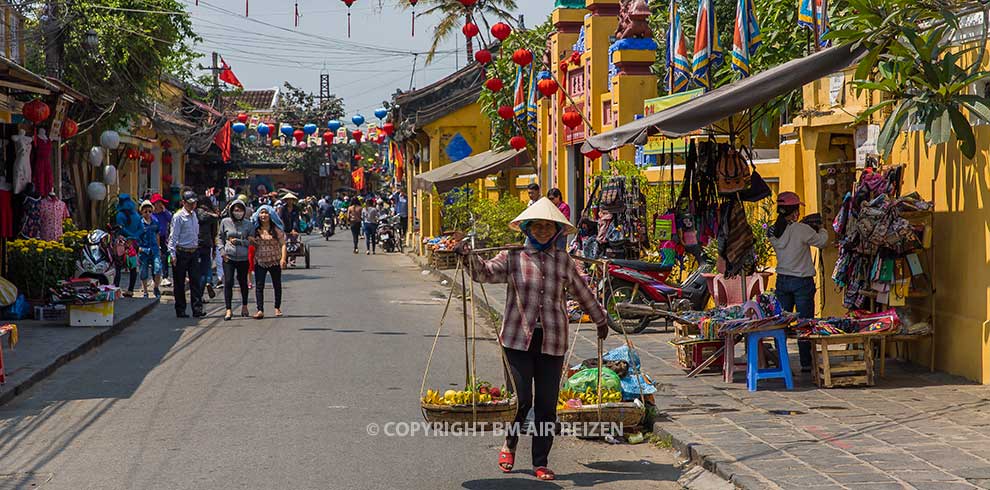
853, 365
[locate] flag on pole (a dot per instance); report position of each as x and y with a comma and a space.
532, 107
707, 52
677, 57
746, 38
397, 161
358, 177
519, 97
806, 18
222, 140
227, 75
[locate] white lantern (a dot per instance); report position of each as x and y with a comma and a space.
96, 191
96, 155
110, 175
110, 140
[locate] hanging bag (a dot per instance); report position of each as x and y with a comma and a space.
732, 172
758, 189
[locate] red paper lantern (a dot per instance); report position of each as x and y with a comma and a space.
501, 31
593, 154
149, 157
517, 142
36, 111
299, 135
131, 154
470, 30
522, 57
494, 84
571, 119
328, 136
242, 118
69, 128
166, 144
357, 135
388, 128
547, 87
468, 3
271, 130
483, 56
358, 157
167, 158
506, 112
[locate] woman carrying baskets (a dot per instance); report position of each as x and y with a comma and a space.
534, 330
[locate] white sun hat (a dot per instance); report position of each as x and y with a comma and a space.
546, 210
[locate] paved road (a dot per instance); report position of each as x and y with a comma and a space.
282, 403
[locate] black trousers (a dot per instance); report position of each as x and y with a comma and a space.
356, 231
259, 284
187, 264
132, 277
536, 372
230, 269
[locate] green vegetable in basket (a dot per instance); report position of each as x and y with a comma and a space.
588, 378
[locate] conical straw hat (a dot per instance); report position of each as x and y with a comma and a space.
546, 210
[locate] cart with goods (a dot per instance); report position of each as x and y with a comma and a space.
295, 248
479, 404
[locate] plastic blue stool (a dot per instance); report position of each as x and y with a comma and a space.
753, 371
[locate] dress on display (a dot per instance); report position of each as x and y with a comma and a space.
22, 163
31, 227
53, 212
41, 167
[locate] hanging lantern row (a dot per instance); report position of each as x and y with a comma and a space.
483, 56
380, 113
517, 142
470, 30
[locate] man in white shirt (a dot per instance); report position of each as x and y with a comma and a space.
183, 245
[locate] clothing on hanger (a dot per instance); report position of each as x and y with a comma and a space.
53, 212
41, 164
31, 226
22, 162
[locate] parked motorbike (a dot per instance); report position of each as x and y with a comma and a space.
638, 282
96, 258
388, 238
329, 227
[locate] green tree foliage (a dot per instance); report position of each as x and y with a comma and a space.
453, 15
504, 69
924, 75
465, 209
135, 50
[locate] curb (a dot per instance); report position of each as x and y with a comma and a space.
85, 347
706, 457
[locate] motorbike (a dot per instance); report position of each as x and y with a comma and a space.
329, 227
96, 258
305, 226
638, 282
387, 235
342, 219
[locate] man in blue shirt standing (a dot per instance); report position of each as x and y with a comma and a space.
183, 244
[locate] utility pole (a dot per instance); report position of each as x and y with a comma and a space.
54, 37
216, 80
324, 87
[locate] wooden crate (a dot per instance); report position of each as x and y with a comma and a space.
691, 353
853, 365
443, 260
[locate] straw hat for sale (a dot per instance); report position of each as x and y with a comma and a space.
543, 209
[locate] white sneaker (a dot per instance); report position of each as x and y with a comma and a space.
166, 282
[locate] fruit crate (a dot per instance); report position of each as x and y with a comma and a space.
691, 352
443, 260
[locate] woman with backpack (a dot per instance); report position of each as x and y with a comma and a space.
129, 229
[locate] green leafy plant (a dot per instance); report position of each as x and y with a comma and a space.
464, 209
36, 265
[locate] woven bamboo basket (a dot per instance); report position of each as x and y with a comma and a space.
501, 413
626, 413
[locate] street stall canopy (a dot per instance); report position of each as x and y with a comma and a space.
470, 169
727, 100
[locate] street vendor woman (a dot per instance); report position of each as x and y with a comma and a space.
534, 330
792, 241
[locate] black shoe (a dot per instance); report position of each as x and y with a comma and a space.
210, 291
199, 314
182, 315
805, 369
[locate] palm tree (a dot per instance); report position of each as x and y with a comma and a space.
454, 15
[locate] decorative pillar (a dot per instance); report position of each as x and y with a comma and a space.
631, 57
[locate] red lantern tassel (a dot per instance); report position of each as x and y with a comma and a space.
297, 14
246, 7
414, 23
348, 23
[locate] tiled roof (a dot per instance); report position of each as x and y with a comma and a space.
255, 100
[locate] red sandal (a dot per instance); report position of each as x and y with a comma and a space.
544, 473
505, 461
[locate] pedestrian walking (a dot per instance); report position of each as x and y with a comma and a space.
209, 225
164, 218
270, 257
535, 325
129, 229
183, 244
369, 216
149, 250
401, 203
792, 241
557, 199
354, 218
236, 231
533, 191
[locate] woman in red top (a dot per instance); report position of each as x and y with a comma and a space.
535, 326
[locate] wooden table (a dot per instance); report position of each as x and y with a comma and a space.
858, 366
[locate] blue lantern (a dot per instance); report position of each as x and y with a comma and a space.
239, 128
287, 130
253, 138
358, 119
334, 125
309, 128
263, 129
381, 112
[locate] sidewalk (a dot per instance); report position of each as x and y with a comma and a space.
913, 430
44, 346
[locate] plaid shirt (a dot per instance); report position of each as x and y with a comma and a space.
537, 281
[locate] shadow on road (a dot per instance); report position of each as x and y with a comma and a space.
623, 473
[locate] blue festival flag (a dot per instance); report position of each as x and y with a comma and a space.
532, 107
806, 18
707, 52
677, 58
747, 38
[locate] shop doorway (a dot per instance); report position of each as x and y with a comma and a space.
575, 182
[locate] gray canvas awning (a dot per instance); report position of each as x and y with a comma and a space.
469, 169
727, 100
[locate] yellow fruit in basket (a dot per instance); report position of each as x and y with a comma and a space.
486, 398
449, 396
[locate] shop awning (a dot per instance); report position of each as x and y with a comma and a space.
728, 99
14, 76
470, 169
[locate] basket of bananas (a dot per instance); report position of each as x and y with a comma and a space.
481, 403
583, 407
